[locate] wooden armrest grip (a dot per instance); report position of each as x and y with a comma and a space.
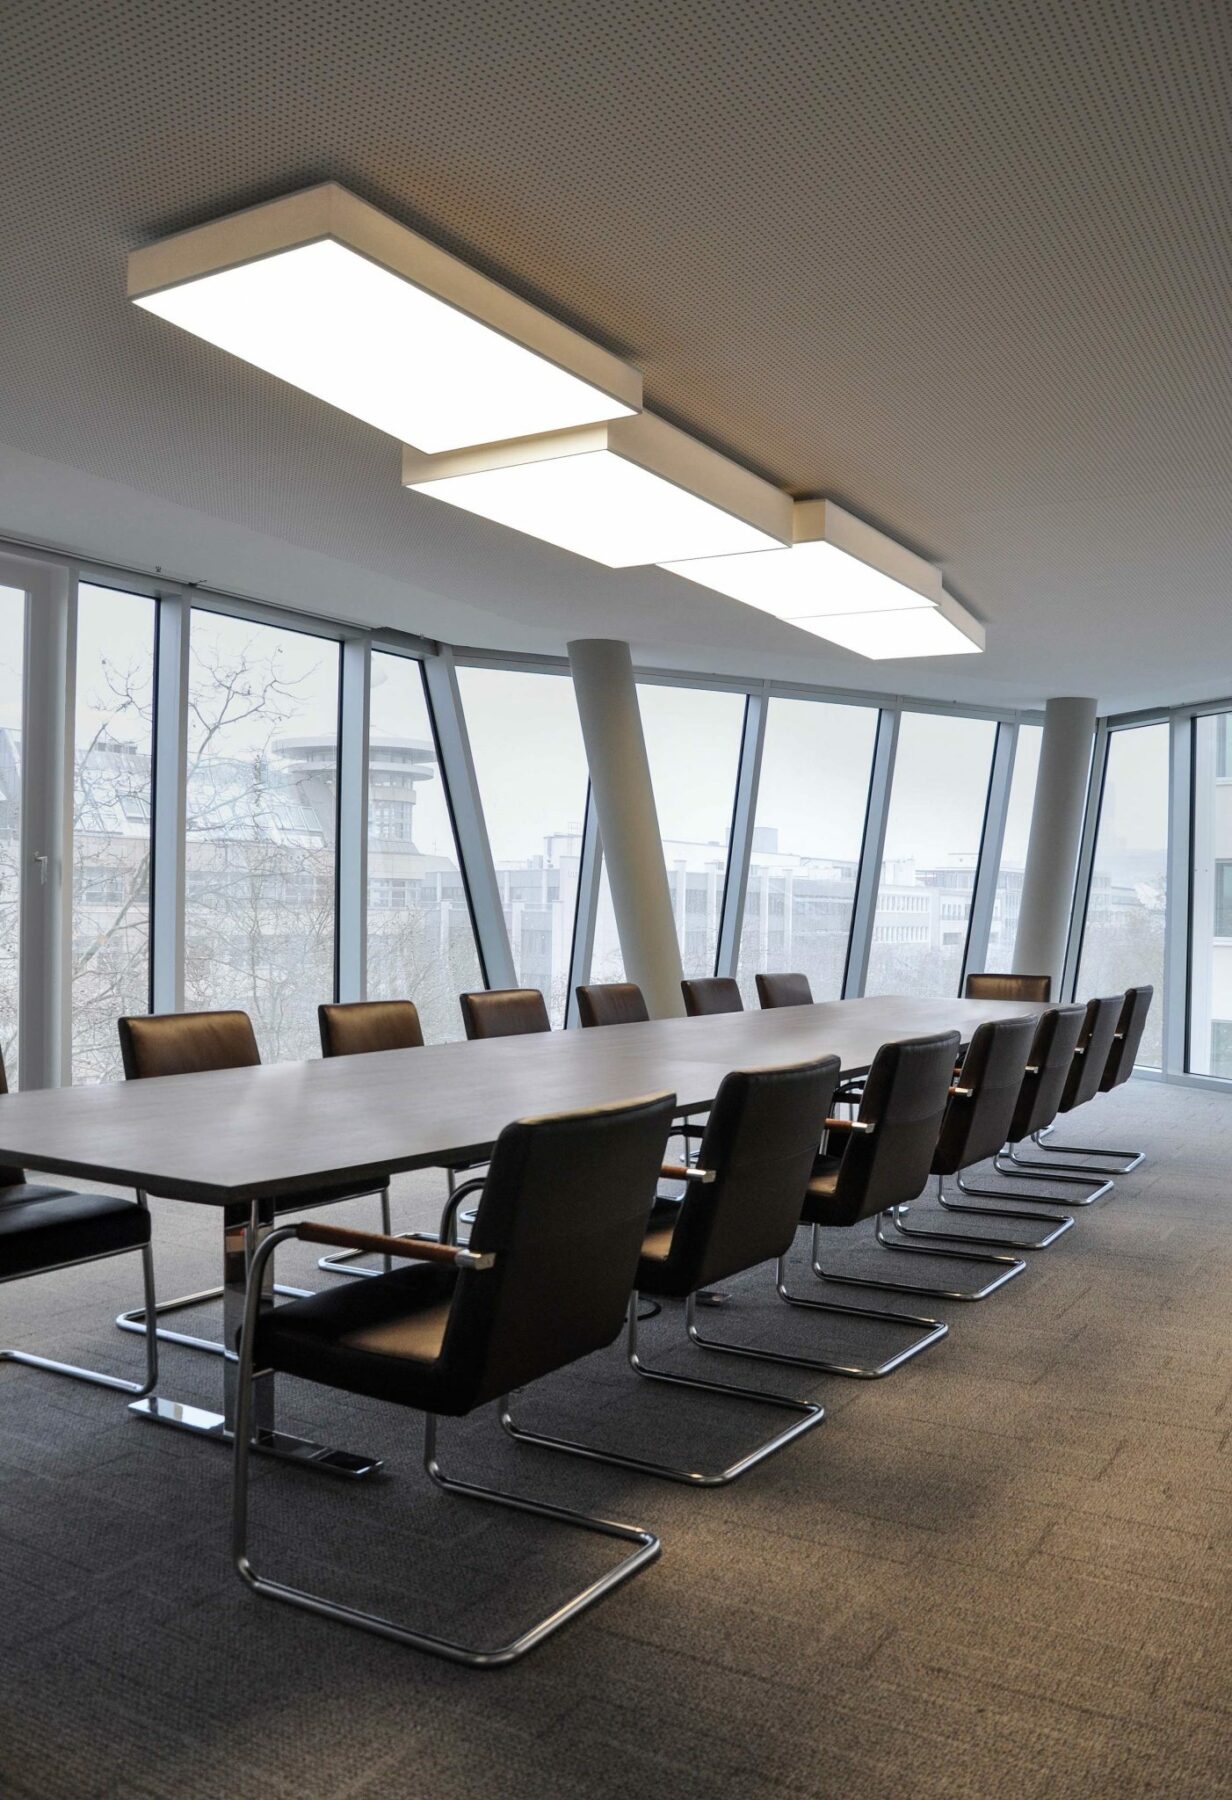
848, 1125
411, 1249
682, 1172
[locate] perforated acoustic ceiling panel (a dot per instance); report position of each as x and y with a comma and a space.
964, 267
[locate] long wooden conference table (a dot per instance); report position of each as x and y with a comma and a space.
239, 1139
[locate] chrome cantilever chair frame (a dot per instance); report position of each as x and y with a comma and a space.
138, 1389
494, 1657
1061, 1222
1130, 1159
812, 1414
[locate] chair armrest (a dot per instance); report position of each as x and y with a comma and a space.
682, 1172
412, 1249
861, 1125
961, 1093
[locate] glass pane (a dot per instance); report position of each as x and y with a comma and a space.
1014, 851
112, 790
932, 847
1123, 942
693, 747
12, 662
420, 943
531, 770
811, 804
262, 787
1210, 977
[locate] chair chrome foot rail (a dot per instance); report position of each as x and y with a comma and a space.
1061, 1222
138, 1389
135, 1318
1020, 1168
341, 1260
1010, 1267
1129, 1159
474, 1657
812, 1415
934, 1329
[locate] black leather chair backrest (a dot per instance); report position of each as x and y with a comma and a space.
504, 1012
1008, 987
784, 990
359, 1026
564, 1209
711, 994
977, 1117
761, 1138
904, 1101
1128, 1039
9, 1176
186, 1043
1091, 1052
612, 1003
1048, 1067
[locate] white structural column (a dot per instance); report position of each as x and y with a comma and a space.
1052, 848
628, 823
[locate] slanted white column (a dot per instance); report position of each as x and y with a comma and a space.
628, 823
1052, 848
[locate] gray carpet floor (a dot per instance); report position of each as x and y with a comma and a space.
1003, 1571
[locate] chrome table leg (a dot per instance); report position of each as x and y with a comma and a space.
243, 1229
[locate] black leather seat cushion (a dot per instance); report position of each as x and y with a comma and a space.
45, 1227
382, 1338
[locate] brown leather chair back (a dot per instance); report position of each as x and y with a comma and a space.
10, 1176
360, 1026
761, 1138
711, 994
186, 1043
977, 1118
1128, 1038
612, 1003
784, 990
1091, 1052
504, 1012
1008, 987
564, 1210
905, 1097
1048, 1067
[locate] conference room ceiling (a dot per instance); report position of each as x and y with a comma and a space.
963, 267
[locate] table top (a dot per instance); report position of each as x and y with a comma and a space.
283, 1128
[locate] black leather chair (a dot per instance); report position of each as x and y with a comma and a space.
784, 990
611, 1003
47, 1228
362, 1028
193, 1044
1082, 1082
543, 1282
884, 1161
1122, 1055
711, 994
504, 1012
1008, 987
976, 1128
740, 1208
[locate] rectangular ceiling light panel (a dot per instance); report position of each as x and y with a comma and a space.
946, 629
630, 492
327, 293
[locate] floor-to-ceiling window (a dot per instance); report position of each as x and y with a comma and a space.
531, 769
112, 791
1123, 937
1210, 973
807, 833
1008, 897
932, 848
693, 740
421, 945
12, 658
261, 811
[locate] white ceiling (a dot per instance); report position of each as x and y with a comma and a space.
964, 267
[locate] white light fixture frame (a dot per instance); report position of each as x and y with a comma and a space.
564, 374
640, 479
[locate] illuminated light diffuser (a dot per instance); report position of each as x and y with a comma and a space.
327, 293
946, 629
633, 491
835, 564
